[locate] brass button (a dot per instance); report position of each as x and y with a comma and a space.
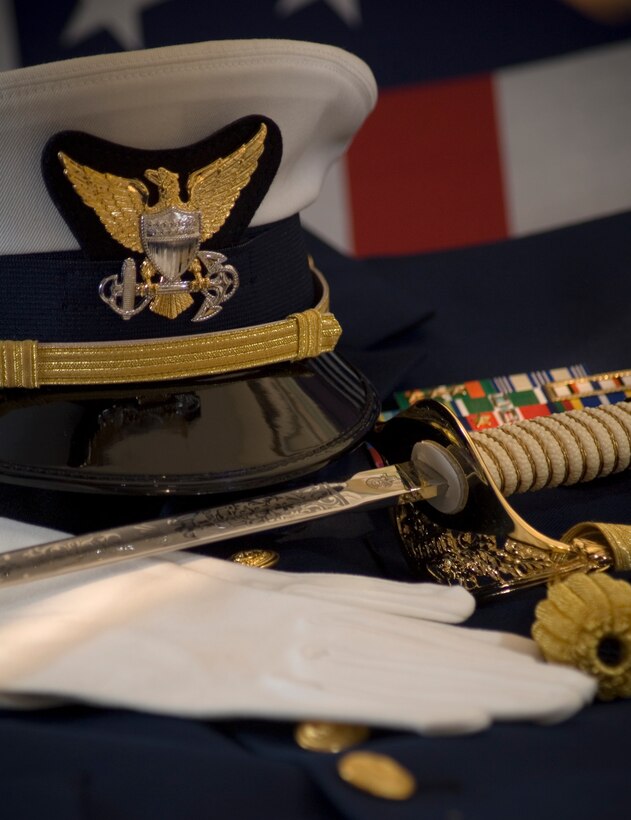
256, 558
329, 737
377, 774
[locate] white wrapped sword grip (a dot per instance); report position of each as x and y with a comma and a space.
562, 449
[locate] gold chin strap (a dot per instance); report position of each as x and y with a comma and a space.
31, 364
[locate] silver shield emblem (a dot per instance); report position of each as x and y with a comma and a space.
171, 239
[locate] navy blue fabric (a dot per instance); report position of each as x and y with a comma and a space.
402, 41
544, 301
535, 303
525, 304
65, 305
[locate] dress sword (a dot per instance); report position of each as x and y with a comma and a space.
385, 485
462, 481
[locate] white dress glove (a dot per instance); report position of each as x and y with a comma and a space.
430, 601
193, 636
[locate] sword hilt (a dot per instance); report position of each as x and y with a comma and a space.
561, 449
469, 534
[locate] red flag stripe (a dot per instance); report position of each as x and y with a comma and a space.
425, 170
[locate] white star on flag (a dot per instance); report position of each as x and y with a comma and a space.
348, 10
120, 17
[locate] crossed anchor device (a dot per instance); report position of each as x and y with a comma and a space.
128, 296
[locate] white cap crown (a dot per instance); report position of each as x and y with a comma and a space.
171, 97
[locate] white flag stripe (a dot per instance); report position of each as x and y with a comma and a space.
565, 135
8, 37
330, 215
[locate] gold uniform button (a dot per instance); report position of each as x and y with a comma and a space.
256, 558
377, 774
329, 737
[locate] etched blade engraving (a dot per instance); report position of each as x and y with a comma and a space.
217, 524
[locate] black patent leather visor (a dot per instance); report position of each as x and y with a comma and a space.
213, 435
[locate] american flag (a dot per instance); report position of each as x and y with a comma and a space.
495, 119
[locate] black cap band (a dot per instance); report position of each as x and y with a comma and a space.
54, 297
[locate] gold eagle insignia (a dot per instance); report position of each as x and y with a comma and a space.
169, 232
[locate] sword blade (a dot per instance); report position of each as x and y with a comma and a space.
217, 524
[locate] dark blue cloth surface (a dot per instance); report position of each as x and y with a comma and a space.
403, 42
539, 302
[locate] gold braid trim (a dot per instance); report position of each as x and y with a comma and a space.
309, 327
302, 335
18, 364
615, 536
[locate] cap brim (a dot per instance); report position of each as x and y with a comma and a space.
213, 435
